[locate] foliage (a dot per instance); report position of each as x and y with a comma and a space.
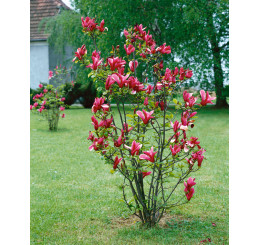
33, 92
66, 31
60, 76
197, 31
226, 91
146, 143
83, 92
49, 102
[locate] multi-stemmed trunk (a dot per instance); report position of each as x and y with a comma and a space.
53, 118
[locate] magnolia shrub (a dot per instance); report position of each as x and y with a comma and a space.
147, 143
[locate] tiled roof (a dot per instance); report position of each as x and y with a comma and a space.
40, 9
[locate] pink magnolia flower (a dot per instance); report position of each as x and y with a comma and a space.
115, 63
206, 98
176, 125
40, 110
61, 108
99, 104
182, 74
149, 89
190, 161
130, 49
35, 104
184, 127
96, 61
176, 136
164, 49
116, 162
43, 103
120, 79
126, 33
91, 136
50, 74
62, 99
31, 107
161, 65
109, 82
193, 142
135, 148
191, 101
185, 118
146, 102
188, 74
183, 144
135, 85
162, 105
105, 108
101, 26
158, 86
80, 52
45, 90
169, 76
96, 54
95, 123
40, 85
106, 123
144, 174
63, 115
148, 155
121, 70
189, 190
149, 41
175, 72
145, 116
152, 50
88, 24
126, 129
143, 55
176, 149
120, 139
133, 65
98, 144
187, 96
198, 156
139, 28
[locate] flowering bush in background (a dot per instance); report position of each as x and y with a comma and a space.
49, 102
60, 75
148, 143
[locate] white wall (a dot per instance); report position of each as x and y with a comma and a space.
39, 63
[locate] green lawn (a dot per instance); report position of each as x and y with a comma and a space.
75, 198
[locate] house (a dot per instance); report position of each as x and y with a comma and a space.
42, 57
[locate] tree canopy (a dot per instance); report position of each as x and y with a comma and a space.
196, 30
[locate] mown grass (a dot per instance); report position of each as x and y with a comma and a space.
75, 198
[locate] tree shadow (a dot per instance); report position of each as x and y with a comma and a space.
46, 130
172, 228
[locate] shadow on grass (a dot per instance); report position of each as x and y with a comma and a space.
53, 132
172, 228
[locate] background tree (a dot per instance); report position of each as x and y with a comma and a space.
196, 29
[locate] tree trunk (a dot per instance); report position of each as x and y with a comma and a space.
218, 77
218, 72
